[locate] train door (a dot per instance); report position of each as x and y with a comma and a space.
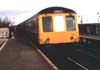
59, 24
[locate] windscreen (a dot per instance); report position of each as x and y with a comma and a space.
59, 23
70, 22
47, 24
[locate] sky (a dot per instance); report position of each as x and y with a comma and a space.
19, 10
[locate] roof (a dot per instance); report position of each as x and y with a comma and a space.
52, 9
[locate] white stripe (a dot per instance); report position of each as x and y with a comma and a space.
84, 52
77, 63
2, 46
45, 57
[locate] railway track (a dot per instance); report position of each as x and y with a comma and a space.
82, 58
78, 59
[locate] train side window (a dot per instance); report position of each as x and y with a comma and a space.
35, 26
70, 23
47, 24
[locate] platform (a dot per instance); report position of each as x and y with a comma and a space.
17, 54
90, 37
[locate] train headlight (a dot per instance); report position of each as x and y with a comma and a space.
47, 40
71, 38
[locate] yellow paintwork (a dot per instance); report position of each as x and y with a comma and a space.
58, 37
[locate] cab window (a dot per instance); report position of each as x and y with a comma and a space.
70, 23
47, 24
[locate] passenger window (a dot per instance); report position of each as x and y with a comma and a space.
70, 23
47, 24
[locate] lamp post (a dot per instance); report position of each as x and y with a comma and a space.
98, 25
98, 16
81, 21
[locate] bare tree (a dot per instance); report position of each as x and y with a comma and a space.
5, 22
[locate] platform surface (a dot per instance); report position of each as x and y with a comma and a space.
17, 54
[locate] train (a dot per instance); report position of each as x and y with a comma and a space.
52, 25
90, 29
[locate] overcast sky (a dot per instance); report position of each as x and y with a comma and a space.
19, 10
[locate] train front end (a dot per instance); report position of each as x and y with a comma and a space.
58, 28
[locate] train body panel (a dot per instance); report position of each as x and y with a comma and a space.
58, 37
59, 32
53, 25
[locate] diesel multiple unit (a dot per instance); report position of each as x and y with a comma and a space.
53, 25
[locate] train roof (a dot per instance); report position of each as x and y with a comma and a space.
57, 9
